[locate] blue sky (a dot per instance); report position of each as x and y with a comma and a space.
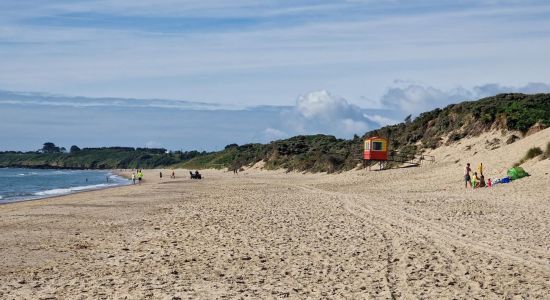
333, 66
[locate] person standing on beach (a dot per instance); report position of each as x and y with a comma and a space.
467, 178
160, 173
139, 176
134, 178
173, 175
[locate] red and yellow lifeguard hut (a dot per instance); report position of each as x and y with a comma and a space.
376, 148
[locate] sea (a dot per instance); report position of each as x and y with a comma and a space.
18, 184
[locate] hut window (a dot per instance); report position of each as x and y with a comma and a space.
377, 146
367, 145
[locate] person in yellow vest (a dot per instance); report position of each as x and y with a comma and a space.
475, 181
139, 176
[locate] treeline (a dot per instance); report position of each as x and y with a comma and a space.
124, 149
96, 158
314, 153
50, 147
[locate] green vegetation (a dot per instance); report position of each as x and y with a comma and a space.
96, 158
232, 157
50, 147
315, 153
531, 153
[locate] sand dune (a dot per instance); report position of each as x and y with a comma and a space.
394, 234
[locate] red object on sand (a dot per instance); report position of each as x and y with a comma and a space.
376, 148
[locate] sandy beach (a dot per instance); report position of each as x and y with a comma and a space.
396, 234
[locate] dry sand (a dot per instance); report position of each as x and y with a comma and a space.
396, 234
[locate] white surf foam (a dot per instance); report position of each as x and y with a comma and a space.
64, 191
27, 174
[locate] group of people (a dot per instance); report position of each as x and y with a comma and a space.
173, 176
476, 180
138, 176
197, 175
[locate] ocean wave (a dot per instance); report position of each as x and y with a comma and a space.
69, 190
27, 174
118, 178
64, 172
50, 172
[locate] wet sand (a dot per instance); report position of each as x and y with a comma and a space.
394, 234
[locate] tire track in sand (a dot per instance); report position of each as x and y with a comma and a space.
438, 232
393, 274
437, 237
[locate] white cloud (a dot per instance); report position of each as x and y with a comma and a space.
142, 58
44, 99
354, 126
324, 105
153, 144
381, 120
271, 134
323, 112
415, 98
494, 88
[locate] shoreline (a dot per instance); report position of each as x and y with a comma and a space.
64, 195
94, 187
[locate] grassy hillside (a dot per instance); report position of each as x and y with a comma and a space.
322, 153
505, 111
315, 153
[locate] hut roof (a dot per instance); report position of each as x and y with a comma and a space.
375, 138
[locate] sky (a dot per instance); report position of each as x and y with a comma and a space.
203, 74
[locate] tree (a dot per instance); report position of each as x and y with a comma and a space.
74, 148
408, 119
50, 148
